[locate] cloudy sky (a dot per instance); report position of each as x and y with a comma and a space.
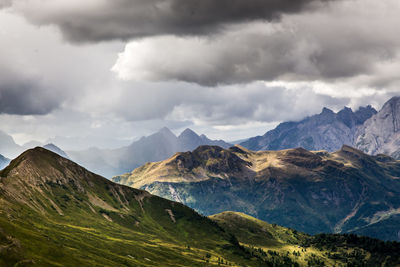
104, 72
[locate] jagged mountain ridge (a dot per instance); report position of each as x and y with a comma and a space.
345, 191
54, 212
156, 147
366, 129
10, 149
325, 131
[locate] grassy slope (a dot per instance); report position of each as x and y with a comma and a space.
270, 241
55, 213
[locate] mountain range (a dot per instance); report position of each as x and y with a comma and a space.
10, 149
366, 129
156, 147
346, 191
56, 213
325, 131
110, 162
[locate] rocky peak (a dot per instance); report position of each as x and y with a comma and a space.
166, 132
188, 134
346, 115
346, 110
351, 119
366, 110
364, 113
39, 166
326, 116
327, 111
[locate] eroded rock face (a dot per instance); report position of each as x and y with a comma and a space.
381, 133
325, 131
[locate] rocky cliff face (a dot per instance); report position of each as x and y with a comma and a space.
381, 133
325, 131
344, 191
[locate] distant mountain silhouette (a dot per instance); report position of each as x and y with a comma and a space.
8, 147
56, 149
156, 147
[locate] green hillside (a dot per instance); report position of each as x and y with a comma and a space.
311, 191
55, 213
280, 246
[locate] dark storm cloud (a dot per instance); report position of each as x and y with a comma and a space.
301, 47
26, 98
39, 72
99, 20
